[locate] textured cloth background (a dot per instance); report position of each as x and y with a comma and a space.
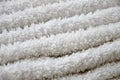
59, 39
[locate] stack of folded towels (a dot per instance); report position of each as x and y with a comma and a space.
59, 39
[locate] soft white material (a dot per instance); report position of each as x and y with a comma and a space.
16, 5
56, 26
49, 68
1, 1
59, 39
60, 44
102, 73
51, 11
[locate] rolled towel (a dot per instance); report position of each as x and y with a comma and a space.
75, 63
51, 11
61, 44
100, 17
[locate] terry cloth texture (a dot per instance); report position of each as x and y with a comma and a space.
59, 39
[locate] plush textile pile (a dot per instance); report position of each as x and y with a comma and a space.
59, 39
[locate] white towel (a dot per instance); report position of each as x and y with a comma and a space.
59, 39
